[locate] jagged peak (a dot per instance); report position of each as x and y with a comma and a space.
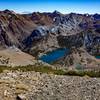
9, 11
56, 12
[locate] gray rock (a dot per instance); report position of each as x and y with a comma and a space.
21, 97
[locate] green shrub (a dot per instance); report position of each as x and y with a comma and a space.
47, 69
59, 72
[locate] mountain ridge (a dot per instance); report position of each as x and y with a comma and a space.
22, 29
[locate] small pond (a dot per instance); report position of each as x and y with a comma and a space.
98, 57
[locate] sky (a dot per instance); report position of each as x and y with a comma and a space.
63, 6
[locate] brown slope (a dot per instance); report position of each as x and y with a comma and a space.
41, 18
13, 56
14, 27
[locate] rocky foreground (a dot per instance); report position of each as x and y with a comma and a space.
37, 86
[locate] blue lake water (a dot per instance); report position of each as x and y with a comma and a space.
54, 55
98, 57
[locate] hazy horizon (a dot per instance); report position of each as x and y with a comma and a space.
63, 6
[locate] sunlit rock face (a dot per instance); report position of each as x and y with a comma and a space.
39, 32
36, 35
72, 23
88, 40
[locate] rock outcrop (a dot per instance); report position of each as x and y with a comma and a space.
92, 44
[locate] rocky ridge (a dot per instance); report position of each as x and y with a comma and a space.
20, 30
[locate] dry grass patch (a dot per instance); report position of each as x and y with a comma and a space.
22, 87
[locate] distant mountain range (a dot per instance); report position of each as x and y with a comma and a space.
41, 31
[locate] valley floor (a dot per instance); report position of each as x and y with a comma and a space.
15, 85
